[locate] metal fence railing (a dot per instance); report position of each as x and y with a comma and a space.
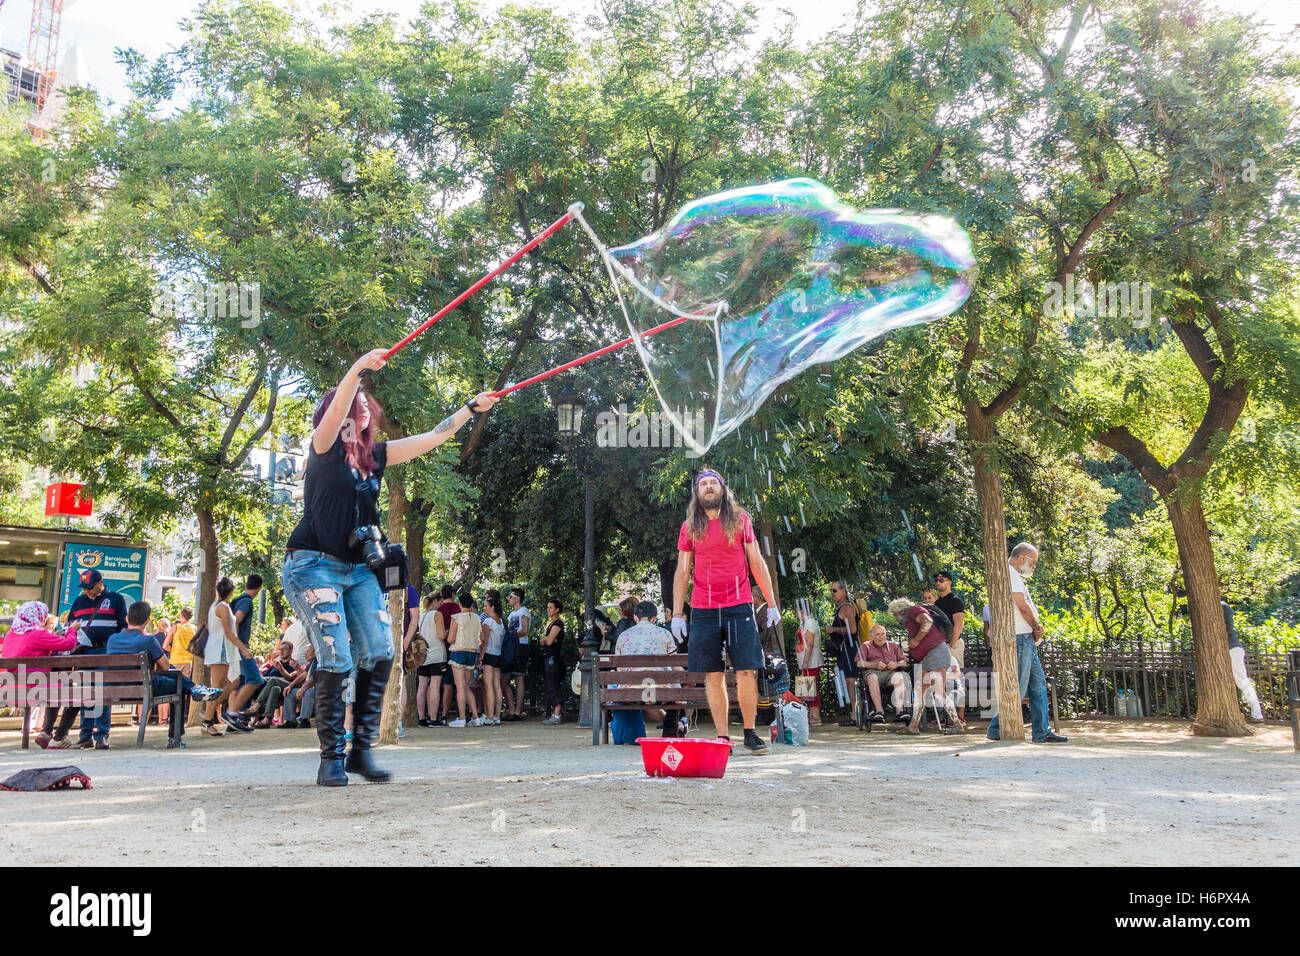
1147, 681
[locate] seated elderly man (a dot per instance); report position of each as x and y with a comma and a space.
879, 661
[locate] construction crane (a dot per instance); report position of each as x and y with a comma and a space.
43, 45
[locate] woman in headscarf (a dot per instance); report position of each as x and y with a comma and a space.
28, 637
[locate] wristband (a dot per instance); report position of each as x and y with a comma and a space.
470, 405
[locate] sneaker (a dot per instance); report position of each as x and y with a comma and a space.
304, 723
551, 721
401, 733
496, 721
423, 722
42, 739
904, 718
172, 744
438, 723
288, 723
683, 726
86, 744
210, 729
200, 692
458, 722
234, 723
478, 722
101, 745
754, 743
1052, 739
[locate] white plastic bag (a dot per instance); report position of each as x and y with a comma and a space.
795, 716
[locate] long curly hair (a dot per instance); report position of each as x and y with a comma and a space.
729, 513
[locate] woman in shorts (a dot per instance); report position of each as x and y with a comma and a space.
926, 646
464, 639
428, 690
494, 635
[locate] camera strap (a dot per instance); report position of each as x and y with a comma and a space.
365, 486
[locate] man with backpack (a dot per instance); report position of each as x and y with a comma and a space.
843, 635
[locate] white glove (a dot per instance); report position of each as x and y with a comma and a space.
773, 617
678, 626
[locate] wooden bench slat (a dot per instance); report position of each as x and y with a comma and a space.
633, 695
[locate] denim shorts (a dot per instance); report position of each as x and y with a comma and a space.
342, 608
248, 672
464, 659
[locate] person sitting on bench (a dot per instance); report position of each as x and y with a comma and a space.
645, 637
133, 640
879, 661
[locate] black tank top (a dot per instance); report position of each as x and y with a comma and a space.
330, 503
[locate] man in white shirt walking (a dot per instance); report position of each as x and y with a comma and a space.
1029, 630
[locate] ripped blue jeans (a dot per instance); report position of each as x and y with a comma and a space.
342, 608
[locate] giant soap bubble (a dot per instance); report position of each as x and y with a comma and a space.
776, 278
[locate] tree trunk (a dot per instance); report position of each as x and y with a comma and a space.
417, 520
395, 692
767, 547
667, 571
1001, 632
205, 592
1217, 711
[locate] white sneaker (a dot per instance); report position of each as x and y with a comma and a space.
457, 723
496, 721
551, 721
477, 722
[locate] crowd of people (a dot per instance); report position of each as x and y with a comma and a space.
478, 661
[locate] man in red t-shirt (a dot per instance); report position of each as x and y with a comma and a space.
716, 551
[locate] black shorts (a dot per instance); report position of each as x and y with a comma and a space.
431, 670
493, 660
734, 627
520, 666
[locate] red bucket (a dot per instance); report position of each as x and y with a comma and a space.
684, 756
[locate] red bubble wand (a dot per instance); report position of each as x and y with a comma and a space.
574, 214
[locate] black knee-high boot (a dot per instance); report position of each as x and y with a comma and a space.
366, 711
330, 711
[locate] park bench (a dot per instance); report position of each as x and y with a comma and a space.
126, 679
643, 684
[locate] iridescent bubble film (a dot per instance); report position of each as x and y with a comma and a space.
781, 277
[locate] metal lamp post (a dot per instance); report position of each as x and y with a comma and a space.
568, 407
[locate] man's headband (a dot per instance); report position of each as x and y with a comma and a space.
709, 474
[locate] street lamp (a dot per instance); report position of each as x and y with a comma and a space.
568, 408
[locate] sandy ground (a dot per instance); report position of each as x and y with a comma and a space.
1119, 793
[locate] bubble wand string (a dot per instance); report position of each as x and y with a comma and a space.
617, 270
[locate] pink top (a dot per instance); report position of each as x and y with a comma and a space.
36, 642
720, 573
